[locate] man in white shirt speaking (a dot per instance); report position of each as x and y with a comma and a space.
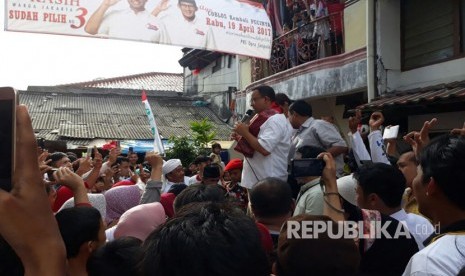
270, 146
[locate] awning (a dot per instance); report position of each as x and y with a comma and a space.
141, 145
441, 94
198, 59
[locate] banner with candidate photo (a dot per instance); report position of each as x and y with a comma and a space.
230, 26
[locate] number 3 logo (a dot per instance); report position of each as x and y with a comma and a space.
81, 18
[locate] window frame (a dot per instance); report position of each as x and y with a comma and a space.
458, 30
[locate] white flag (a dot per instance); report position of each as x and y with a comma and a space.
157, 144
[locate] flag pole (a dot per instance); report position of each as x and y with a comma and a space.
157, 143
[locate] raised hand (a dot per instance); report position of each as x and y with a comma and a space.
329, 172
67, 178
376, 120
113, 155
459, 131
98, 159
43, 165
162, 6
418, 140
26, 219
154, 159
85, 165
110, 3
355, 121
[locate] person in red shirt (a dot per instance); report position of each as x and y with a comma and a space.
336, 17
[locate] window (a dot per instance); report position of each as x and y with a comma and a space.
432, 31
218, 65
230, 57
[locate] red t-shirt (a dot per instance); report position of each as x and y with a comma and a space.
336, 14
63, 194
123, 183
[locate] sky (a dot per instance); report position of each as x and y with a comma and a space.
28, 59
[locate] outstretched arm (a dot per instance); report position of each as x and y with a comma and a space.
332, 207
375, 138
96, 18
162, 6
153, 189
26, 220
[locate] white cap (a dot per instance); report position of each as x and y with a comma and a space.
346, 186
170, 165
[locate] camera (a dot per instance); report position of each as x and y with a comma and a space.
307, 167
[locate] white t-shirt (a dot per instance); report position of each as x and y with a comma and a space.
275, 137
167, 184
126, 24
418, 226
110, 233
377, 148
443, 257
193, 34
319, 133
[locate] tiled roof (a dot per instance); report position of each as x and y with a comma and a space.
432, 94
93, 114
148, 81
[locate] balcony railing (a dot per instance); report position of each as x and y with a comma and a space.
314, 40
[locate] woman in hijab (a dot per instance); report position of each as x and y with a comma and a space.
119, 200
140, 221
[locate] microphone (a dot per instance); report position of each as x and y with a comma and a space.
247, 116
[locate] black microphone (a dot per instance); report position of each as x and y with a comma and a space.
247, 116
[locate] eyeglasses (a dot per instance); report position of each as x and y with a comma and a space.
188, 6
256, 99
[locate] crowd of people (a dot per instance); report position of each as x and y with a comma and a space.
109, 214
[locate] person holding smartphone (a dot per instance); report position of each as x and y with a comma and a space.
315, 132
310, 197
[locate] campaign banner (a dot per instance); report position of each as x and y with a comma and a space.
230, 26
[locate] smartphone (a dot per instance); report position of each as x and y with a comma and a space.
307, 167
89, 152
366, 162
50, 175
41, 143
391, 132
8, 102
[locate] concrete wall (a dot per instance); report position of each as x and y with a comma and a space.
245, 67
444, 72
214, 86
214, 82
325, 82
319, 81
447, 121
355, 26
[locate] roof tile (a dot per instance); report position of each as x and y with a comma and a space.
150, 81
